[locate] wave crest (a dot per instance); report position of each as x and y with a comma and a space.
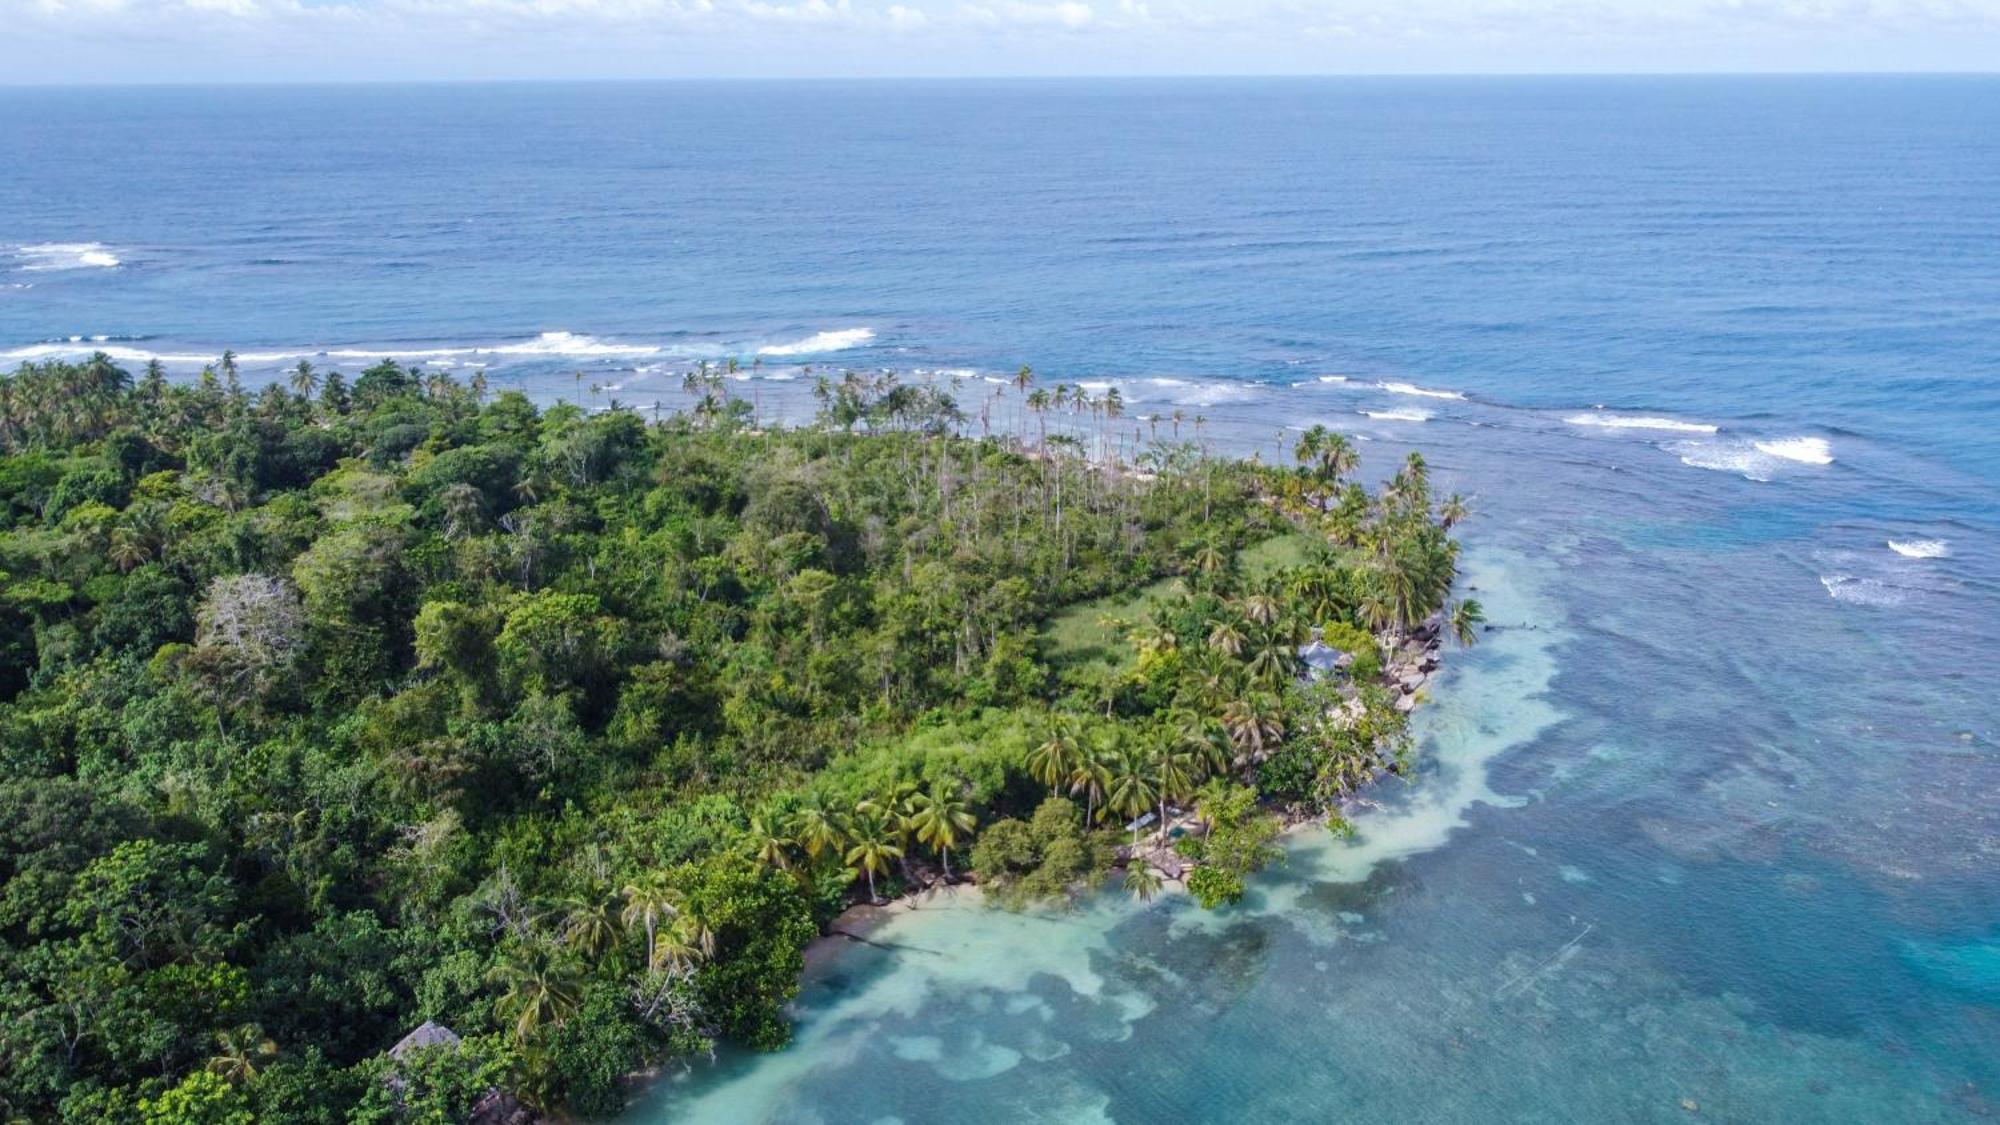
1638, 422
1420, 392
839, 339
65, 256
1804, 450
1920, 548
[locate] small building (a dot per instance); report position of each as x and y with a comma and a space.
1321, 660
428, 1035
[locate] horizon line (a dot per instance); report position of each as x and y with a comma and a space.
684, 80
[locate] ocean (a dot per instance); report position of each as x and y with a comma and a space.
1711, 820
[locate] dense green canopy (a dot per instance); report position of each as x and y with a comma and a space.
329, 710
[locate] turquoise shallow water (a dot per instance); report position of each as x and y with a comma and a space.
1715, 817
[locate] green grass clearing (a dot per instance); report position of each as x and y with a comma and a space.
1083, 634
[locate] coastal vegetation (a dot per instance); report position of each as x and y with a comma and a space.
395, 750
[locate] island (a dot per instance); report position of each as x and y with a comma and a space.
398, 750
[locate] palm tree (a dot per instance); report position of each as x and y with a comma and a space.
938, 817
892, 808
1055, 761
1142, 882
239, 1052
1092, 777
1465, 619
1038, 401
817, 830
1226, 636
649, 902
1209, 559
1131, 791
1174, 771
768, 847
873, 846
304, 379
1274, 656
1453, 511
590, 923
537, 989
128, 549
685, 944
1254, 726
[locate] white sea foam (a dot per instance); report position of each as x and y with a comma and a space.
820, 342
1413, 389
66, 350
65, 256
1211, 394
552, 345
1398, 415
1727, 457
1756, 460
1804, 450
1861, 591
1638, 422
1920, 548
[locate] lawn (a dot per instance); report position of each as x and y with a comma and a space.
1084, 634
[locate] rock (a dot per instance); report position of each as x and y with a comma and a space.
1690, 1105
1406, 703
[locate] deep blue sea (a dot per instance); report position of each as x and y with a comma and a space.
1712, 821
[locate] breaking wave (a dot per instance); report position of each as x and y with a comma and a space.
1804, 450
1920, 548
1413, 389
65, 256
821, 342
1862, 591
1638, 422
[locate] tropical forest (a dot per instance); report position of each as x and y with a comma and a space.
391, 748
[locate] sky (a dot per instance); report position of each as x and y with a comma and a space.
145, 41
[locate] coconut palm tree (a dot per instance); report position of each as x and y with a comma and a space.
1209, 559
304, 379
1273, 656
1226, 636
650, 902
817, 830
1173, 774
537, 990
1055, 761
1453, 511
938, 817
872, 846
239, 1052
590, 924
1142, 881
769, 847
684, 944
1092, 778
1465, 619
1132, 791
1254, 725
